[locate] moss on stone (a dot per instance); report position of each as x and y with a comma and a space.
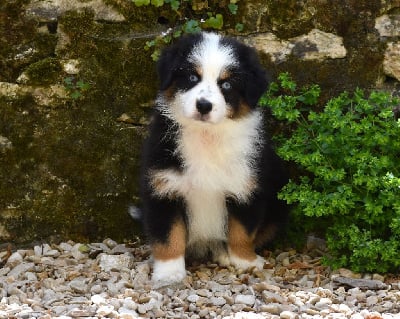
43, 72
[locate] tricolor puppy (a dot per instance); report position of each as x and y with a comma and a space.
209, 176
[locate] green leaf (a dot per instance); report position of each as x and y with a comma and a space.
83, 86
191, 26
157, 3
156, 55
76, 95
239, 27
216, 22
233, 8
140, 3
175, 4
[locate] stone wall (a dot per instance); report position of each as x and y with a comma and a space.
76, 86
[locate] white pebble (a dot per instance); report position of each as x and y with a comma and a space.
245, 299
344, 308
65, 247
323, 303
129, 304
193, 298
288, 315
272, 308
104, 310
21, 269
98, 300
76, 252
15, 258
116, 262
79, 286
31, 276
372, 301
218, 301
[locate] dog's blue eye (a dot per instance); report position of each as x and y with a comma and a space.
226, 85
193, 78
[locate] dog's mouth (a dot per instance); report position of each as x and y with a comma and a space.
202, 117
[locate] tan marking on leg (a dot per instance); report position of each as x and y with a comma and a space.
175, 245
239, 241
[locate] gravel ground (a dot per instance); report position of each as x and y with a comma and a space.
111, 280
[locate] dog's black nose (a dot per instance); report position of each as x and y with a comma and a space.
203, 106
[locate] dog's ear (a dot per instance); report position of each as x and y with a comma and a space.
167, 65
173, 57
256, 77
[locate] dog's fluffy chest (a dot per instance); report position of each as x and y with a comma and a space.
221, 159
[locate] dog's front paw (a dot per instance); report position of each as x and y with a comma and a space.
168, 272
241, 263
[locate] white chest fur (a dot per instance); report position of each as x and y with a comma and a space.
218, 162
220, 158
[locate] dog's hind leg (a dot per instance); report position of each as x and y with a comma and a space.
241, 247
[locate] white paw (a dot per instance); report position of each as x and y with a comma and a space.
222, 259
244, 264
168, 272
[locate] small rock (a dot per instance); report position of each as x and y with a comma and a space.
129, 304
77, 253
31, 276
110, 243
116, 262
15, 259
79, 286
372, 301
271, 297
282, 256
349, 274
204, 293
245, 299
264, 286
119, 249
5, 143
104, 310
378, 277
96, 289
323, 303
288, 315
65, 247
388, 25
98, 300
272, 308
52, 253
21, 269
193, 298
203, 312
70, 66
125, 313
217, 301
38, 250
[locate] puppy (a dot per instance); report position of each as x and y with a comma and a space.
209, 176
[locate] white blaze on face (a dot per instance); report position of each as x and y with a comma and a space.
211, 59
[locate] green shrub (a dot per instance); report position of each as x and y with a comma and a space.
348, 156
